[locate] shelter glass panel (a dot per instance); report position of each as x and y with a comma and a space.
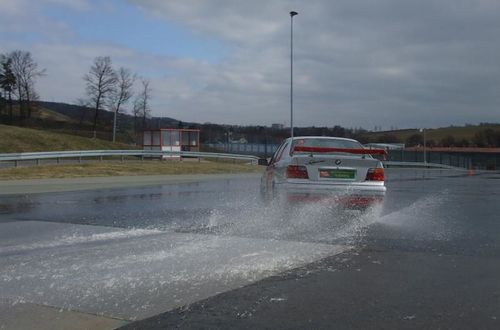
185, 138
156, 138
147, 138
193, 139
166, 138
175, 138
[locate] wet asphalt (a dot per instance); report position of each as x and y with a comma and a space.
428, 259
430, 262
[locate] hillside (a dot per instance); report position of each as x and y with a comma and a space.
76, 113
76, 123
17, 139
458, 132
40, 113
458, 135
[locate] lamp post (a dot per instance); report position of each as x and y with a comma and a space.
114, 127
292, 13
425, 154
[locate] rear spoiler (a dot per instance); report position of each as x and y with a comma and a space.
346, 150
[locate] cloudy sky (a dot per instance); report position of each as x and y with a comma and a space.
363, 63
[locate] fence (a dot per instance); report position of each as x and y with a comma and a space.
264, 150
475, 160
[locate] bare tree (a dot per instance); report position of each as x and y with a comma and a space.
100, 84
136, 111
141, 104
26, 71
122, 93
7, 81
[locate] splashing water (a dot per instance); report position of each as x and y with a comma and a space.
331, 223
423, 219
312, 222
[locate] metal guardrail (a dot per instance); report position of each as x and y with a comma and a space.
121, 153
420, 165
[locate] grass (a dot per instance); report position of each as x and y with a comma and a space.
18, 139
44, 114
117, 168
47, 114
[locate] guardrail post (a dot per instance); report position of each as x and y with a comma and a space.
80, 159
122, 159
16, 163
100, 158
37, 162
58, 160
142, 157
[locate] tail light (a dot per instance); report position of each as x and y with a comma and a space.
296, 172
375, 174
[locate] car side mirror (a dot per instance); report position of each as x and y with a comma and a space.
263, 161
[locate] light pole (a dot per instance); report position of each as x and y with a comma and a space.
114, 127
292, 13
425, 155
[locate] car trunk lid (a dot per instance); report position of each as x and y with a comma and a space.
338, 168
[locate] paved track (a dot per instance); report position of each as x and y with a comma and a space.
430, 261
205, 251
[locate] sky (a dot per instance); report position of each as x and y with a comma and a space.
364, 63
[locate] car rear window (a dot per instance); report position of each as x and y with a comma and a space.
279, 152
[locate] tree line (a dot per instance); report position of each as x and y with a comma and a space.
18, 75
106, 88
110, 89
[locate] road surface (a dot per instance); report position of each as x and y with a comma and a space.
206, 253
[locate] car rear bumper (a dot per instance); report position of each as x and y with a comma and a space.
351, 196
363, 188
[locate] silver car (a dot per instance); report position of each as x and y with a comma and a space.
329, 170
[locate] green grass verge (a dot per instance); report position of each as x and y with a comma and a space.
18, 139
117, 168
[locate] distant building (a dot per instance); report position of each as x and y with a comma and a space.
277, 126
386, 146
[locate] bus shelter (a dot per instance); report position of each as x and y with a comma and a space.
171, 139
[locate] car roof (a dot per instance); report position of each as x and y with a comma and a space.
323, 137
